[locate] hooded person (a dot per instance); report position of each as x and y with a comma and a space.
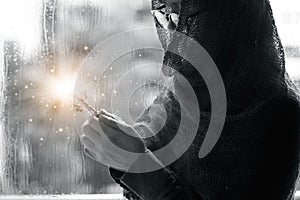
257, 155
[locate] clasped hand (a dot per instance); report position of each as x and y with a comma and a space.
117, 131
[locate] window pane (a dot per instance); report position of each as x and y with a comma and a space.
287, 16
43, 43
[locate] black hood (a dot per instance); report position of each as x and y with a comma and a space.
242, 39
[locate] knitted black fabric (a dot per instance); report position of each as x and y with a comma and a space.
257, 156
242, 39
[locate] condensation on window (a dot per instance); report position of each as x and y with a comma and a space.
43, 43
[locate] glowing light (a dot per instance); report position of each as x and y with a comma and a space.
30, 120
60, 130
62, 89
86, 48
66, 88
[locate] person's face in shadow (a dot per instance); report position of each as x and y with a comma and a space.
173, 4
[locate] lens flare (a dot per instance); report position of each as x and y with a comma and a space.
62, 89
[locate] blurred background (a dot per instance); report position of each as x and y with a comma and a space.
42, 46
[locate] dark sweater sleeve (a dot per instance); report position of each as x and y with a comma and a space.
157, 185
163, 183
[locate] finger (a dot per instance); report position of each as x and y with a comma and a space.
118, 138
93, 123
103, 159
105, 112
116, 127
90, 154
109, 131
91, 134
113, 123
87, 143
86, 125
109, 121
